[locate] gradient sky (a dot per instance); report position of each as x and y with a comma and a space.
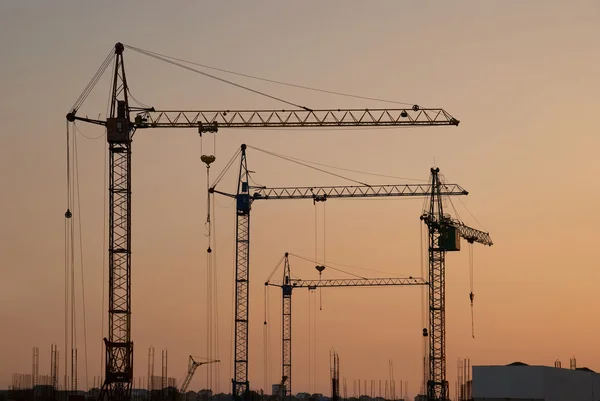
522, 77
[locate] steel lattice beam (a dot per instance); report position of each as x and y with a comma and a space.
119, 248
472, 234
437, 386
350, 191
415, 116
353, 282
287, 341
323, 193
242, 262
119, 323
286, 329
240, 383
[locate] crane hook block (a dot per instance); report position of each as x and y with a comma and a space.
320, 268
68, 214
471, 296
425, 333
209, 128
208, 159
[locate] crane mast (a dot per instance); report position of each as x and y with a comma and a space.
286, 327
120, 128
242, 261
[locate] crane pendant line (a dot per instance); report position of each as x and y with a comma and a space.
120, 129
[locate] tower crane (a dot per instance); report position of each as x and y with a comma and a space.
444, 234
192, 366
288, 284
121, 123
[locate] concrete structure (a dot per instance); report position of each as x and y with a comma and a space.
275, 389
519, 381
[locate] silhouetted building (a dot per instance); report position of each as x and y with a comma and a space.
519, 381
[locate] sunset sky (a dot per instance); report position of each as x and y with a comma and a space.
522, 78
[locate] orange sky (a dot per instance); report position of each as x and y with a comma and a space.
522, 78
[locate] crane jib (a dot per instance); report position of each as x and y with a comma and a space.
211, 120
